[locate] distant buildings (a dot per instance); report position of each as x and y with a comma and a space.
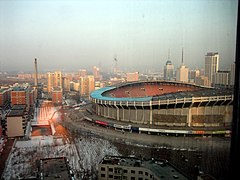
132, 76
211, 65
168, 71
116, 167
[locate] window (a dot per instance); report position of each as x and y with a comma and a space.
140, 172
132, 178
146, 173
110, 176
110, 169
102, 168
102, 175
132, 171
125, 171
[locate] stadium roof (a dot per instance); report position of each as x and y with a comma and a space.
98, 95
201, 92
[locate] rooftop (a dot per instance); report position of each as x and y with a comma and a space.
14, 113
19, 107
54, 168
161, 168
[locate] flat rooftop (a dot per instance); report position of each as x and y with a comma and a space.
161, 168
14, 113
19, 107
54, 168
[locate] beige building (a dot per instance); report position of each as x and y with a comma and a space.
87, 85
221, 78
54, 80
182, 74
16, 121
130, 168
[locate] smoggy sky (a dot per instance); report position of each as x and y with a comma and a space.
70, 35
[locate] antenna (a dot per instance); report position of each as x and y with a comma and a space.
168, 53
116, 61
182, 56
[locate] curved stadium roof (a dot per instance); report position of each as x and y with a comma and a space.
200, 92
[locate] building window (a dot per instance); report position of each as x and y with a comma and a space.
140, 178
132, 178
140, 172
124, 177
111, 169
102, 175
132, 171
146, 173
125, 171
102, 168
110, 176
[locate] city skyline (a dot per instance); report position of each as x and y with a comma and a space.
80, 34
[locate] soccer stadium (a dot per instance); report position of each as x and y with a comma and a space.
164, 107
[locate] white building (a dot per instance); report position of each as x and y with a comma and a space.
211, 65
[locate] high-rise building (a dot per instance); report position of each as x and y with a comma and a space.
87, 85
54, 80
221, 78
168, 70
182, 72
132, 76
57, 95
211, 65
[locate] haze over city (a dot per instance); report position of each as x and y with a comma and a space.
69, 35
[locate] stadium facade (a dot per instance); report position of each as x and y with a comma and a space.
165, 104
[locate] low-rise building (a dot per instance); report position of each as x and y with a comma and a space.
55, 168
117, 167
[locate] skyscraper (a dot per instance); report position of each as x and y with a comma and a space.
211, 65
168, 70
182, 72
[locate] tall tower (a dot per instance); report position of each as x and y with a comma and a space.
35, 73
168, 68
211, 65
182, 72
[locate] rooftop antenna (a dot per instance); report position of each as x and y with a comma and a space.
116, 61
168, 53
182, 56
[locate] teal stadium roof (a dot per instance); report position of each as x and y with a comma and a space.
98, 95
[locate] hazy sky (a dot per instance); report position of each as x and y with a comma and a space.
70, 35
